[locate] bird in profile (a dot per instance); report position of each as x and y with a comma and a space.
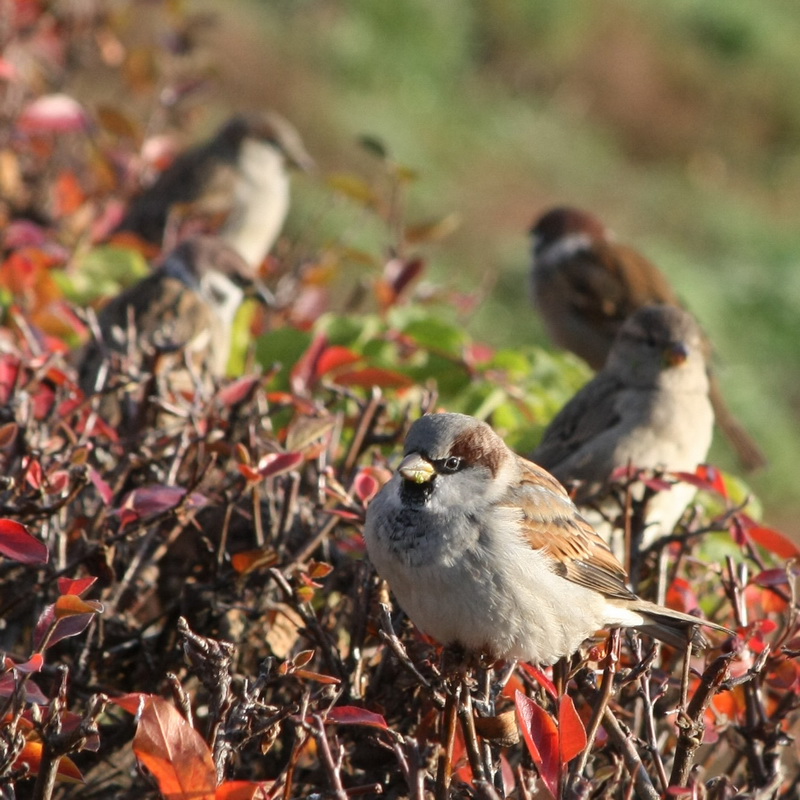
241, 173
585, 285
649, 408
175, 324
485, 550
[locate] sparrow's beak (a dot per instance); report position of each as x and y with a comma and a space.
416, 468
675, 354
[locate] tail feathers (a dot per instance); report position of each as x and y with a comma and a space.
674, 627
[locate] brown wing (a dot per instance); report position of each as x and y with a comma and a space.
551, 523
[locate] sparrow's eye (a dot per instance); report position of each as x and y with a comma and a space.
449, 465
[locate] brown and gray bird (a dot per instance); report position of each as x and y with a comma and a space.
241, 173
585, 285
648, 407
176, 322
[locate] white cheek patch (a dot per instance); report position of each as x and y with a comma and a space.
565, 248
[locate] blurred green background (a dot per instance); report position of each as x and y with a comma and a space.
676, 121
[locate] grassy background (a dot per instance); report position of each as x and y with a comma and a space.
677, 121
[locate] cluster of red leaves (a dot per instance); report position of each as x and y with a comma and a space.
194, 597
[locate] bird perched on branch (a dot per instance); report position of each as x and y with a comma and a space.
485, 550
648, 407
585, 285
175, 323
241, 173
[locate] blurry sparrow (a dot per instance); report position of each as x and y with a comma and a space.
180, 317
485, 550
585, 285
242, 172
648, 407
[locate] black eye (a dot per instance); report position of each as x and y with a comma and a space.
449, 465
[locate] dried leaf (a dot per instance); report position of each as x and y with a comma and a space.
374, 376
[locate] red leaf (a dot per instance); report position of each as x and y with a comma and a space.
9, 372
705, 477
571, 733
174, 753
541, 737
101, 485
353, 715
541, 679
133, 702
366, 487
774, 541
42, 401
238, 391
374, 376
244, 790
77, 586
63, 627
33, 664
334, 357
17, 543
681, 596
278, 463
33, 694
305, 369
33, 472
150, 500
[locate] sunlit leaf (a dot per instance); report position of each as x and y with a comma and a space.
70, 605
31, 755
77, 586
174, 753
571, 733
541, 736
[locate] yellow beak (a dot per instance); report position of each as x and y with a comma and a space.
416, 468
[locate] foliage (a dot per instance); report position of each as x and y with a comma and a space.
192, 594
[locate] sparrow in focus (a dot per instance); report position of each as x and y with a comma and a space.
242, 172
648, 407
585, 285
179, 318
485, 550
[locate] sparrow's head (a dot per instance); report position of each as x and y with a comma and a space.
557, 224
657, 340
269, 127
453, 458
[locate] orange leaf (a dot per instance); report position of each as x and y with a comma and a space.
68, 605
248, 560
69, 195
244, 790
334, 357
32, 756
174, 752
571, 733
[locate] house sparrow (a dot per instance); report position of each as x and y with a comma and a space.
585, 285
241, 172
485, 550
647, 407
182, 314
